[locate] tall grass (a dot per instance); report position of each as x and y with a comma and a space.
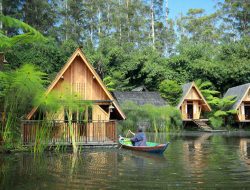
17, 91
43, 135
159, 119
55, 102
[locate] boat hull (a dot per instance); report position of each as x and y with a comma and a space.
156, 148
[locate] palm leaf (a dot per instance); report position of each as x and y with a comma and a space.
29, 34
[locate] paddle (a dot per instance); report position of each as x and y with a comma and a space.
130, 132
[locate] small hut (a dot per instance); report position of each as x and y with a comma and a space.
99, 126
192, 103
242, 103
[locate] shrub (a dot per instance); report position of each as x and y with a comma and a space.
170, 91
158, 118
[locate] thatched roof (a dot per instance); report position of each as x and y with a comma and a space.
239, 92
140, 98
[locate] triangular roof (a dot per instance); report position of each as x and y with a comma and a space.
79, 52
185, 91
239, 92
140, 98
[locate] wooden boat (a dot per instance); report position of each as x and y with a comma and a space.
151, 147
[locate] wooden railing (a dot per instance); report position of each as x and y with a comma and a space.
61, 132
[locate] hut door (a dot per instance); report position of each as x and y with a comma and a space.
190, 110
247, 111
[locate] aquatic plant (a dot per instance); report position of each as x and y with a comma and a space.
153, 118
42, 136
17, 91
56, 102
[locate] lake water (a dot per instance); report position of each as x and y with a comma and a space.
193, 160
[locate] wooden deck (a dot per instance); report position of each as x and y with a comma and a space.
60, 132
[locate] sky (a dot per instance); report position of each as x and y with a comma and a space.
178, 6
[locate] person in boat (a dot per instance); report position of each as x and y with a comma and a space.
139, 138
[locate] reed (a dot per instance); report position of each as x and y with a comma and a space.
54, 103
157, 119
18, 89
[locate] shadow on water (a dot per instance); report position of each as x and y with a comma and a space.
192, 161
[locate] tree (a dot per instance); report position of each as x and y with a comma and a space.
40, 14
170, 91
31, 34
198, 26
207, 89
235, 13
221, 110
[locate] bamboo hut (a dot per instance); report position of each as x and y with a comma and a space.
192, 104
82, 79
242, 103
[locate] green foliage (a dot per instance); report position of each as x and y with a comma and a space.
31, 34
221, 109
117, 39
235, 14
18, 89
109, 83
170, 91
163, 118
207, 89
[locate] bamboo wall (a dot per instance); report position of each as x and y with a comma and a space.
82, 81
241, 115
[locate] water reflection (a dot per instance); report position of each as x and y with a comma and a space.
193, 160
245, 150
195, 157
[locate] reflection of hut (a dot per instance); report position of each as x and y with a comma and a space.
194, 151
192, 103
242, 103
245, 150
